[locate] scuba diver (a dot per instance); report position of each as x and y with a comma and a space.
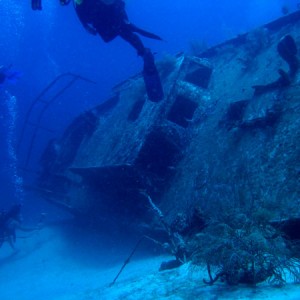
109, 19
7, 74
10, 221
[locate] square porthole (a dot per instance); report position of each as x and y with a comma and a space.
198, 75
182, 111
158, 154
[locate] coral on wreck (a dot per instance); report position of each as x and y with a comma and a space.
238, 248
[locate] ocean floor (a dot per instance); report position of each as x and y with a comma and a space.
54, 264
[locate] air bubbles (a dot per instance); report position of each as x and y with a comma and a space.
10, 124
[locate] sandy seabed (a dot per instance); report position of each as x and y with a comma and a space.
49, 266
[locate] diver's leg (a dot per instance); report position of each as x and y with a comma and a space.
151, 77
133, 39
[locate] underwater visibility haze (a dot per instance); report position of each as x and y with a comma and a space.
47, 43
95, 178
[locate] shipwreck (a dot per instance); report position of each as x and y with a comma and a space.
227, 130
215, 165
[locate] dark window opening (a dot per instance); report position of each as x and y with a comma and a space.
159, 154
234, 114
182, 111
236, 110
199, 75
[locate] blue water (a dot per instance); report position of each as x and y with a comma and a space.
44, 44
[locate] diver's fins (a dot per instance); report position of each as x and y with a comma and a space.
145, 33
151, 78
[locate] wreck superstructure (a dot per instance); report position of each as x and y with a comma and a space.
215, 137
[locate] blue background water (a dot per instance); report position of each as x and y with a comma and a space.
44, 44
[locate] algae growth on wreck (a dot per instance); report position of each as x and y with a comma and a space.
192, 196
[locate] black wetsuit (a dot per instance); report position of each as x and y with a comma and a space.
109, 21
